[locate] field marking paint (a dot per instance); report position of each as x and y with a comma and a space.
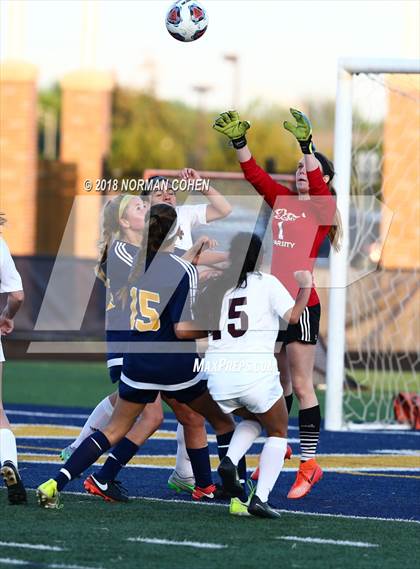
21, 562
357, 473
83, 416
396, 451
319, 540
332, 463
31, 546
65, 415
182, 543
53, 431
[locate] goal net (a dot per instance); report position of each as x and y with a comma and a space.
373, 324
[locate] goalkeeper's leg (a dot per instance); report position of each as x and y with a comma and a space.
301, 358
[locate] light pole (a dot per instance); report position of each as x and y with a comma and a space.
233, 59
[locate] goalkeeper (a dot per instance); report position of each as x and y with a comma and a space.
301, 220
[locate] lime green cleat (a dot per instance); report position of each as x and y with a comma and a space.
180, 484
238, 508
48, 495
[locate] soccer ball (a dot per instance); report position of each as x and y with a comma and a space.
186, 20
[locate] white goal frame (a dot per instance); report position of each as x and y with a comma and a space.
347, 67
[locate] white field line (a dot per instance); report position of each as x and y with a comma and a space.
8, 561
198, 544
404, 452
156, 436
319, 540
57, 460
173, 421
31, 546
18, 412
292, 512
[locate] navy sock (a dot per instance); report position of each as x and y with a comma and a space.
120, 455
289, 402
200, 462
83, 457
222, 448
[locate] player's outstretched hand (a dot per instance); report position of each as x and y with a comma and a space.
230, 125
189, 174
302, 130
304, 279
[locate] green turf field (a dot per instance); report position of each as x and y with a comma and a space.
95, 534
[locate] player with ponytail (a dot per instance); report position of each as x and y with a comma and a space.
301, 220
121, 237
159, 300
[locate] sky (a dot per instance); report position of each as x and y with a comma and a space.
288, 50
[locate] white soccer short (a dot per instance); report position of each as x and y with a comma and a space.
257, 399
2, 358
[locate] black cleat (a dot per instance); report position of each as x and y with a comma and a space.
16, 492
230, 479
261, 509
110, 491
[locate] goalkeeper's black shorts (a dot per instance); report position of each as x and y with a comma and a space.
306, 330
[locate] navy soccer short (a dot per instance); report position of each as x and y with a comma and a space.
115, 373
149, 395
306, 330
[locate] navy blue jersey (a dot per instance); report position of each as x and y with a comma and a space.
160, 298
118, 265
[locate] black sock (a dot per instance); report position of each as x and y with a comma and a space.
222, 448
117, 459
200, 463
83, 457
289, 402
309, 426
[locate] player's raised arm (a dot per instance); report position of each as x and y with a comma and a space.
230, 125
302, 131
219, 206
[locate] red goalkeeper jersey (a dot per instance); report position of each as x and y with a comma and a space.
299, 226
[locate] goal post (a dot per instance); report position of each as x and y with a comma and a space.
347, 150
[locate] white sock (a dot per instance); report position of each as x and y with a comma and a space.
8, 447
243, 437
271, 463
97, 420
183, 464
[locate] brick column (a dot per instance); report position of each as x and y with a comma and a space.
85, 138
402, 173
18, 154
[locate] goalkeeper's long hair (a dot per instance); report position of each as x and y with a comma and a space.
335, 234
160, 230
245, 258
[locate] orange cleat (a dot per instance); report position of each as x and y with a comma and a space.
204, 493
308, 475
111, 491
287, 456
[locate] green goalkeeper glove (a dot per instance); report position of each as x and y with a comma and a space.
302, 130
231, 126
